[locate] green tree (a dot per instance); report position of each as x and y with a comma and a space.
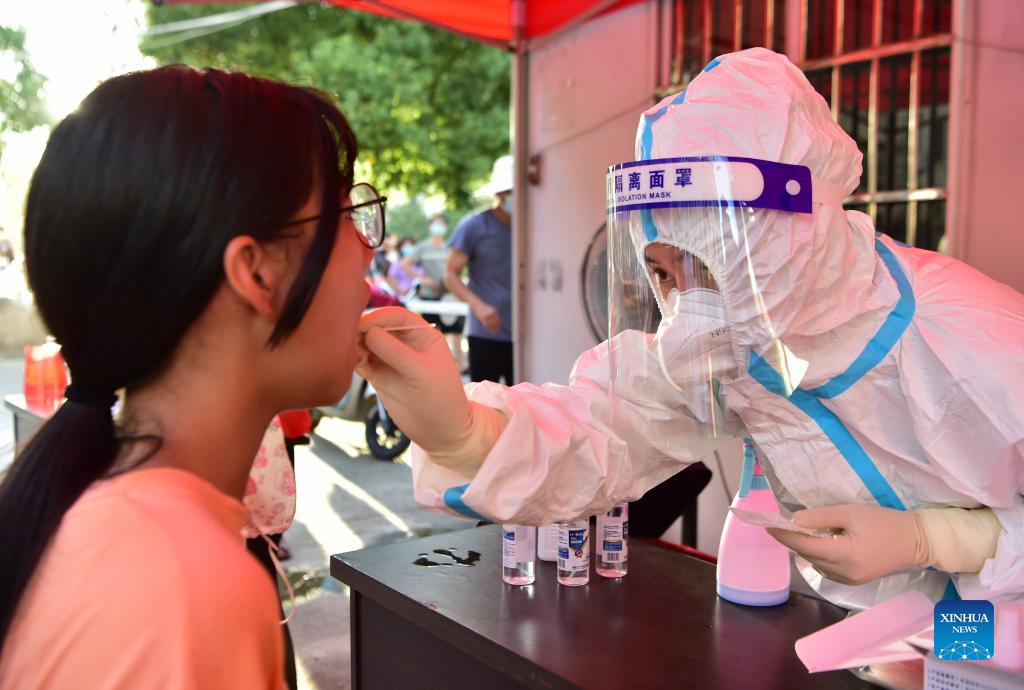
21, 103
407, 220
430, 109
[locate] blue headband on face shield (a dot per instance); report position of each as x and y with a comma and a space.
713, 181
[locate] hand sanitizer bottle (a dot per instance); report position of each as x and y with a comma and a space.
753, 568
574, 552
612, 541
518, 551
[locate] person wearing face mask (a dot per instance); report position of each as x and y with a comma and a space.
880, 384
431, 255
482, 244
402, 278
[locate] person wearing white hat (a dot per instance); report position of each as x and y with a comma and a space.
482, 243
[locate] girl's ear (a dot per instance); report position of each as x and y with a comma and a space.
260, 278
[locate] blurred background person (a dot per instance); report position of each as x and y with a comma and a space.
401, 280
383, 257
431, 255
482, 243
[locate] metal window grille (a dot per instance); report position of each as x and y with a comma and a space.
883, 66
702, 29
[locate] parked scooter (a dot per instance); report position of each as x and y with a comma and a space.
384, 439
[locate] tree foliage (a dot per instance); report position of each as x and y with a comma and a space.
407, 220
430, 109
21, 101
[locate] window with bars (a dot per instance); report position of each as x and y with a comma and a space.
883, 66
703, 29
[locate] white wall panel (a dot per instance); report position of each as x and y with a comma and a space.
587, 90
986, 149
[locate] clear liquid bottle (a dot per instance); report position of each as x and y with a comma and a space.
574, 552
611, 541
547, 542
518, 553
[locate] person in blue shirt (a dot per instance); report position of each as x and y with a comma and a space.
482, 243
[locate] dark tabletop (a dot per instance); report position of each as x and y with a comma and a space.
660, 626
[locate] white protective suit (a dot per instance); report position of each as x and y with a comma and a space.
913, 394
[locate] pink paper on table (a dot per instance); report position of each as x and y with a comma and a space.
876, 636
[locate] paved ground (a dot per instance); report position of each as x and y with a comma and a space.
346, 500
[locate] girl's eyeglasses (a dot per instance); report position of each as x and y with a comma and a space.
366, 207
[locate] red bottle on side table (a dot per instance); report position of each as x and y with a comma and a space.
46, 377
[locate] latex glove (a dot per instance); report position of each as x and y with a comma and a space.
416, 377
868, 541
877, 541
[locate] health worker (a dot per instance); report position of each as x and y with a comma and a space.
882, 385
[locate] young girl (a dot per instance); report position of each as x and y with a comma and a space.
196, 244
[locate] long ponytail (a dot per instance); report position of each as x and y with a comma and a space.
77, 447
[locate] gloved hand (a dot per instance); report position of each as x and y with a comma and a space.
415, 375
869, 541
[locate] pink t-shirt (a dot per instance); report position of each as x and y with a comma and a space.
147, 584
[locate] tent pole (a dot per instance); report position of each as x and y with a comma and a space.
521, 153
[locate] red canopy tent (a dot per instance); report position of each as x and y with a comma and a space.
515, 25
488, 21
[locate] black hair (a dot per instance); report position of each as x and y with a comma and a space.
128, 215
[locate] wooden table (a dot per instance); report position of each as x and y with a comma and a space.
455, 626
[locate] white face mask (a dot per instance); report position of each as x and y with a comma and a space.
507, 204
438, 229
693, 341
392, 256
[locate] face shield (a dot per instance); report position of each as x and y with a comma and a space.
680, 233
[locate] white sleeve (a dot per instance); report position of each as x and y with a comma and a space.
571, 451
1002, 576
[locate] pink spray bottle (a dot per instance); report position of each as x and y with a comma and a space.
753, 568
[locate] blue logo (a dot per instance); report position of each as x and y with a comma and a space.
578, 541
964, 630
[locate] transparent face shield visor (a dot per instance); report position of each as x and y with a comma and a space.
679, 236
